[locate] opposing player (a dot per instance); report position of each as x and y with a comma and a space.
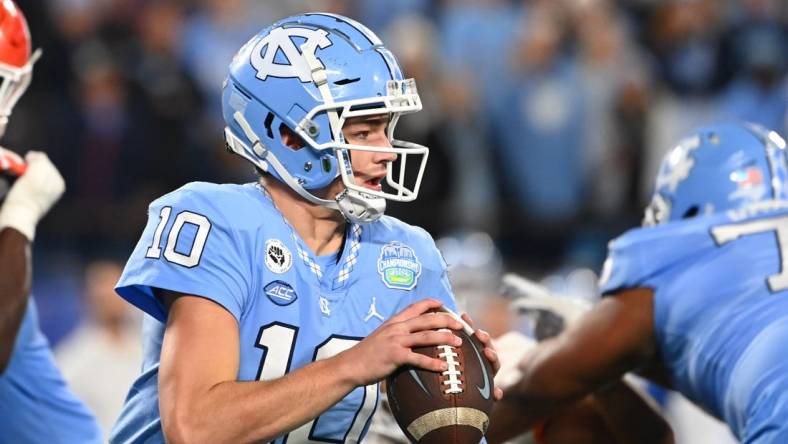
696, 299
35, 403
276, 307
616, 414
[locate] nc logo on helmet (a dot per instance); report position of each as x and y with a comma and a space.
280, 41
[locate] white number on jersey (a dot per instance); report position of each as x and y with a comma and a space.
278, 341
726, 233
184, 217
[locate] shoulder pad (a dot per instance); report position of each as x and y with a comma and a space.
640, 254
199, 240
228, 202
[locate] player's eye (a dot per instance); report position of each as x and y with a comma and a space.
362, 135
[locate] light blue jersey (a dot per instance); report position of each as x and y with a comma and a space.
720, 311
36, 405
228, 243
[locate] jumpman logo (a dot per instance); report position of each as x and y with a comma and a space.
373, 312
324, 306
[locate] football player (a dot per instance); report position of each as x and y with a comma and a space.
617, 414
275, 307
697, 298
35, 403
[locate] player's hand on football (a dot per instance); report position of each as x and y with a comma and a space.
390, 345
489, 351
32, 195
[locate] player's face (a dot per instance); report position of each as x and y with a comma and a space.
369, 168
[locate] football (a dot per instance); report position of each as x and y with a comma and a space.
451, 407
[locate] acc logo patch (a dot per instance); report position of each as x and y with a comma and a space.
398, 266
280, 293
277, 257
277, 55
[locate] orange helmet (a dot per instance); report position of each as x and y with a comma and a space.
16, 60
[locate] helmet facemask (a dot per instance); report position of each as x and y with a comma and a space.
13, 83
402, 99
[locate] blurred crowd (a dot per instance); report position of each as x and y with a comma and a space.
546, 118
546, 121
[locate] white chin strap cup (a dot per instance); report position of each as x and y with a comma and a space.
359, 208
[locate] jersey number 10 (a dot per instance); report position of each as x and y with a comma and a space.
190, 260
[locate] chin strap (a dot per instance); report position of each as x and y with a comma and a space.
355, 206
360, 208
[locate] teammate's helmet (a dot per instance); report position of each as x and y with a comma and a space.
16, 60
718, 168
310, 73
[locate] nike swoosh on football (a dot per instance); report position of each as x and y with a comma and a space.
418, 381
484, 391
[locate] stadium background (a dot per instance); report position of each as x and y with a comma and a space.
546, 119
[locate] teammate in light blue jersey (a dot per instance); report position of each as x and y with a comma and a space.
275, 308
697, 298
36, 406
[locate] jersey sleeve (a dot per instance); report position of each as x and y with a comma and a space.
622, 268
641, 256
188, 246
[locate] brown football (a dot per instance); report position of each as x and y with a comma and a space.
452, 407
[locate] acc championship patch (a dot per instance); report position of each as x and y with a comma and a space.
398, 266
277, 257
280, 293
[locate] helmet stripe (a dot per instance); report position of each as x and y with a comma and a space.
373, 39
366, 32
770, 160
775, 156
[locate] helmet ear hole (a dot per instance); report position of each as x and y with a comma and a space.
268, 120
691, 212
347, 81
290, 138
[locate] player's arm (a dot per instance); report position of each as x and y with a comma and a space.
201, 401
614, 337
28, 200
615, 414
629, 417
14, 288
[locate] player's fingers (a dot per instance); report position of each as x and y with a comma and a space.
498, 394
415, 309
430, 337
484, 337
427, 363
467, 318
432, 321
492, 356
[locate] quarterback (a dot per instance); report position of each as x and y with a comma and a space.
35, 403
275, 307
697, 298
